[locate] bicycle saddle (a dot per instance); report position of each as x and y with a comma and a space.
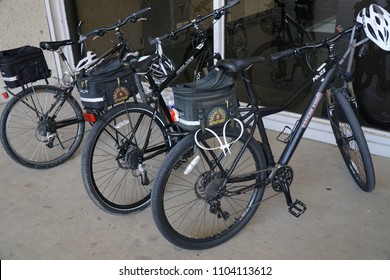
240, 64
54, 45
144, 63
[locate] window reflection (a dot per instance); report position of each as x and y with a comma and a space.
255, 27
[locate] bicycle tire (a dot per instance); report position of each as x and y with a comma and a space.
24, 130
178, 201
351, 142
275, 82
110, 160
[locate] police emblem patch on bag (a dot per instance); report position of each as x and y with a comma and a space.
218, 115
120, 94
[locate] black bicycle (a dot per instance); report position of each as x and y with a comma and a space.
212, 182
127, 144
43, 125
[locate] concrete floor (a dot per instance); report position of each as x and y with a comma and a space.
46, 214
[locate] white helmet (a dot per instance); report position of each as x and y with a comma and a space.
87, 61
161, 68
376, 24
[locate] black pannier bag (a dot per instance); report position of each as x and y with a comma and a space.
208, 102
23, 65
106, 85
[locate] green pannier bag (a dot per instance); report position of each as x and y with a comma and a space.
207, 102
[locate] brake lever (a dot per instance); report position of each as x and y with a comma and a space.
99, 34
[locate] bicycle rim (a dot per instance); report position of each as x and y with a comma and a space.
189, 210
351, 142
34, 137
121, 158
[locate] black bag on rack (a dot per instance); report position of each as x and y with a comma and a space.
208, 102
107, 85
23, 65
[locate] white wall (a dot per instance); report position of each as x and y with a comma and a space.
23, 22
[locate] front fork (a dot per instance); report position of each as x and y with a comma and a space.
348, 93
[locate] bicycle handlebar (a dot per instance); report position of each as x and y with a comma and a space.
134, 17
322, 44
216, 14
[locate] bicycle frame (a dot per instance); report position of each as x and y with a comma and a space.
68, 89
201, 51
202, 48
324, 76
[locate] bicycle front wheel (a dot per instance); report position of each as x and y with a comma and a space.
351, 141
39, 129
191, 205
122, 153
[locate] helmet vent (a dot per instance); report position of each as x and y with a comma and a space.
371, 30
381, 35
377, 10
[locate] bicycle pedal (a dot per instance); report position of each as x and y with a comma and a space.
297, 208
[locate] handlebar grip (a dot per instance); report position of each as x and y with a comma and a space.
282, 54
153, 41
93, 32
231, 4
140, 12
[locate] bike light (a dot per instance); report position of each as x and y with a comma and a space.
89, 117
5, 95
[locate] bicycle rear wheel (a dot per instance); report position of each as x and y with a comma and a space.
41, 130
121, 156
351, 141
191, 207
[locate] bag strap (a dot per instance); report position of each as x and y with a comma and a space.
217, 78
201, 118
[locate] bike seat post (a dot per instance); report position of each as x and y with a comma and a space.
249, 87
65, 60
